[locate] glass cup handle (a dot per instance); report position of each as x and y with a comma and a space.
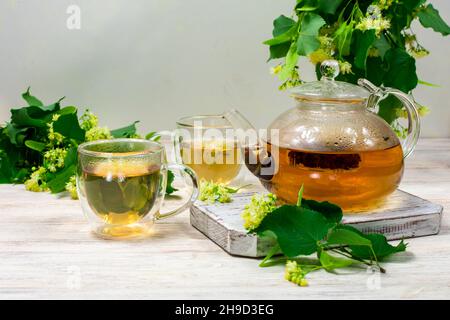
378, 94
193, 196
176, 146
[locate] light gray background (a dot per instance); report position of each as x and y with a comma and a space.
157, 60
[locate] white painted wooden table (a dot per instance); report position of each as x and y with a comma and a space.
47, 251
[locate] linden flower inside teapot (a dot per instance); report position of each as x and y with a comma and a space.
333, 144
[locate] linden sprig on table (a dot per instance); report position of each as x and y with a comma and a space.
312, 227
38, 146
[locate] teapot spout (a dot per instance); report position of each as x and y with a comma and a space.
257, 158
237, 120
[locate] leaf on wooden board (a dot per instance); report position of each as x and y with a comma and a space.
331, 263
330, 211
297, 229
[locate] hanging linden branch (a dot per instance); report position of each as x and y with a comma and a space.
369, 39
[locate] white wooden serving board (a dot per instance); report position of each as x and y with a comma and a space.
402, 216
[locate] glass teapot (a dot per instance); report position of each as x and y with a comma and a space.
333, 143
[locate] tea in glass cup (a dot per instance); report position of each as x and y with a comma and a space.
207, 145
121, 185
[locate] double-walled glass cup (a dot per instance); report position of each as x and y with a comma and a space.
121, 185
207, 144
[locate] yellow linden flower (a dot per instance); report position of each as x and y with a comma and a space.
423, 111
98, 133
295, 274
385, 4
319, 56
419, 52
36, 181
373, 52
257, 210
71, 187
277, 69
345, 67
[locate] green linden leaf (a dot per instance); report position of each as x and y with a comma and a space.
125, 132
340, 236
283, 32
307, 41
363, 42
389, 107
330, 262
429, 18
290, 64
344, 38
71, 156
374, 70
57, 182
6, 169
35, 145
330, 211
28, 117
281, 25
31, 100
297, 229
329, 6
69, 127
382, 45
401, 73
13, 133
380, 247
35, 102
279, 51
412, 4
170, 178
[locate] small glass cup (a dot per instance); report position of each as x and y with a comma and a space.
207, 144
121, 185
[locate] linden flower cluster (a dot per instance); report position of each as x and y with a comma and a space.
71, 187
55, 156
293, 80
325, 51
295, 274
374, 21
414, 48
211, 192
36, 183
54, 159
257, 210
89, 122
54, 138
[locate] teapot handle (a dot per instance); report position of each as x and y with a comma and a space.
377, 94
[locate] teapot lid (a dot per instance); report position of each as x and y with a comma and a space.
329, 91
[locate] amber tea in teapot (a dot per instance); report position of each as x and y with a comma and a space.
344, 178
